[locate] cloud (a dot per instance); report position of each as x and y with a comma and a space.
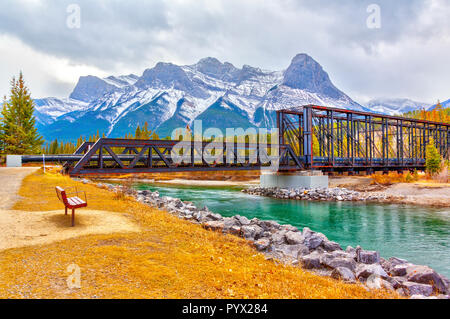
406, 57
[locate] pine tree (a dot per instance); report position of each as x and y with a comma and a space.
433, 159
18, 133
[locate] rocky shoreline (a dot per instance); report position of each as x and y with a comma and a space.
308, 249
316, 194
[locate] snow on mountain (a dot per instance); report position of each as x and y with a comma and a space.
395, 106
49, 109
169, 96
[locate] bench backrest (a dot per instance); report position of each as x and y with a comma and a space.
61, 193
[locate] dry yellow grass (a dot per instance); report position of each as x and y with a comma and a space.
170, 258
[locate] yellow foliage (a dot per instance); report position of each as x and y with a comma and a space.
169, 258
393, 178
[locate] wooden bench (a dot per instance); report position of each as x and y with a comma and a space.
71, 202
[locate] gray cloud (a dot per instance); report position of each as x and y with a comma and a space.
407, 57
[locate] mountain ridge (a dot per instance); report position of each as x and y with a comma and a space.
169, 96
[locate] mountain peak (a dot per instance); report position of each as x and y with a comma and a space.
305, 73
216, 69
90, 88
167, 76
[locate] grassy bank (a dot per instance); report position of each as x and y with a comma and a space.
169, 258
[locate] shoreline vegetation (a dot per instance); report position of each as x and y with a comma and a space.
159, 261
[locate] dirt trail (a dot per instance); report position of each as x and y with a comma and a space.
23, 228
10, 181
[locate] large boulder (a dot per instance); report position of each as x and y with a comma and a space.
262, 244
230, 223
311, 261
414, 288
312, 239
343, 273
214, 225
242, 220
279, 237
291, 251
367, 256
331, 245
426, 275
251, 232
364, 271
333, 262
294, 238
399, 270
212, 216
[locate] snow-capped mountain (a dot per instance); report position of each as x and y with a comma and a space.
169, 96
392, 106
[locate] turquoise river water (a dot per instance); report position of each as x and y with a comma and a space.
419, 234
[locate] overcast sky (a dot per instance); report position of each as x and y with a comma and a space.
408, 56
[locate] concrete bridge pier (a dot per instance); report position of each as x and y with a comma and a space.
303, 179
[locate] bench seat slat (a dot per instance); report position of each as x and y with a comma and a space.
75, 201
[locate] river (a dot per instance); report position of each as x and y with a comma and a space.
419, 234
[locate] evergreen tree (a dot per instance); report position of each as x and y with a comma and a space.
18, 133
433, 159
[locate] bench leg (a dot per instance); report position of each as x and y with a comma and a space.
73, 217
66, 210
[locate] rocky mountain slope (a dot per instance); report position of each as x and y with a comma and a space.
169, 96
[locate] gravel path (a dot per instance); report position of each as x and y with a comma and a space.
10, 181
24, 228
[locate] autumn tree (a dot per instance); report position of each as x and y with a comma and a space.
433, 159
18, 133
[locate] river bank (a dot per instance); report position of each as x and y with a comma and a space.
159, 260
309, 249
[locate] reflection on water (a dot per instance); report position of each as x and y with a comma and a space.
420, 235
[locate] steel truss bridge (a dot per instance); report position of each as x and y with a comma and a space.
310, 137
331, 139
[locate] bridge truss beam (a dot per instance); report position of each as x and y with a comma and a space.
331, 139
122, 156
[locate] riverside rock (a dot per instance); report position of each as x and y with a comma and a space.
399, 270
331, 245
291, 251
251, 232
262, 244
344, 274
311, 261
279, 237
426, 275
367, 256
414, 288
242, 220
333, 262
312, 239
294, 238
214, 225
365, 271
